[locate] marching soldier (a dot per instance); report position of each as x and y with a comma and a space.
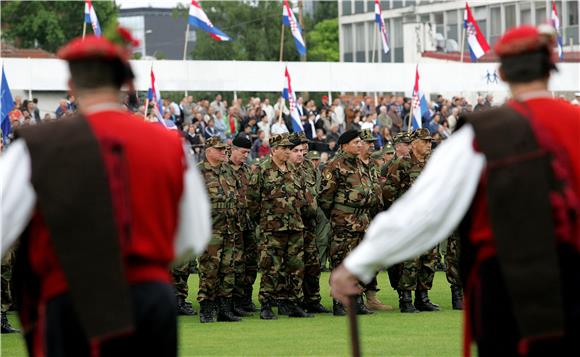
278, 199
375, 205
246, 261
414, 274
216, 264
344, 197
452, 270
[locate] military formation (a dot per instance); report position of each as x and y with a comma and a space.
287, 216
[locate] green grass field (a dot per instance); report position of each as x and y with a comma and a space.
382, 334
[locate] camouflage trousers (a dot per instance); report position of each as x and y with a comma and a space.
418, 273
250, 256
217, 274
452, 260
239, 266
342, 243
323, 234
282, 267
180, 274
311, 283
7, 264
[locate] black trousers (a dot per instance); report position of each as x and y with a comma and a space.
155, 324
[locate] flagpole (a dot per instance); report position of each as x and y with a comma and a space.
146, 108
282, 43
185, 55
374, 49
462, 41
84, 29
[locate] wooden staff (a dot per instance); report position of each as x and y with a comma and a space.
282, 43
84, 29
353, 324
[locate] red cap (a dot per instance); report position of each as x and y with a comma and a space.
324, 97
525, 39
117, 45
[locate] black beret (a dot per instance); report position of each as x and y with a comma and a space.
242, 141
348, 136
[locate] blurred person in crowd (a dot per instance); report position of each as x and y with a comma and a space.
62, 108
218, 105
210, 130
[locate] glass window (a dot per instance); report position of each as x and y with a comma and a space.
359, 44
494, 24
451, 31
397, 4
347, 38
540, 12
359, 6
510, 16
346, 7
571, 30
572, 12
438, 18
371, 6
526, 16
136, 24
385, 4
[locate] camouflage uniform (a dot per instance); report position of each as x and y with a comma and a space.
180, 274
7, 263
279, 198
216, 264
452, 260
246, 261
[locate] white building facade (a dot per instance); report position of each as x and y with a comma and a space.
443, 20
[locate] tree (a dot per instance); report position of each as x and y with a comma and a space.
325, 10
49, 24
323, 42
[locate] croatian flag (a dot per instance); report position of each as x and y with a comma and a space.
381, 23
6, 106
289, 95
478, 45
419, 102
199, 19
556, 23
289, 20
91, 17
154, 96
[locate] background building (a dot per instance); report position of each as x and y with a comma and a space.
416, 27
161, 33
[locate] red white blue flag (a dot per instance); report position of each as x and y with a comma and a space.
419, 102
289, 20
555, 21
199, 19
154, 96
91, 17
289, 95
478, 45
382, 29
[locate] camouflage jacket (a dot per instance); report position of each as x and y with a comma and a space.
376, 200
346, 193
221, 188
402, 173
242, 175
279, 199
311, 176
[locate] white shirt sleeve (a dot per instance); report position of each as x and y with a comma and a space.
194, 222
17, 195
427, 213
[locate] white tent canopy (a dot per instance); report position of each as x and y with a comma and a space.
52, 75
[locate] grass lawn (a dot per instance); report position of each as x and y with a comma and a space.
382, 334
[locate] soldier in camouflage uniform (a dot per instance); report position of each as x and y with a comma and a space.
345, 197
311, 283
415, 274
452, 271
180, 274
279, 199
375, 205
7, 263
216, 265
246, 258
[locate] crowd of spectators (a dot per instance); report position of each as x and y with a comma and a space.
259, 118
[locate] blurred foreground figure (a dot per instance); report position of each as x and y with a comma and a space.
511, 177
101, 213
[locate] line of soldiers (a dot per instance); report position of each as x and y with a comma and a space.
286, 216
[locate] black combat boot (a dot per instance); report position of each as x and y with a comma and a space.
422, 302
184, 308
238, 308
361, 308
266, 312
406, 302
296, 311
225, 311
206, 311
316, 308
456, 297
6, 327
338, 308
283, 308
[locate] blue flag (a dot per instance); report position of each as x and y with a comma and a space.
6, 105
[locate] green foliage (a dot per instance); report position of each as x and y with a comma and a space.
49, 23
323, 42
325, 10
381, 334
